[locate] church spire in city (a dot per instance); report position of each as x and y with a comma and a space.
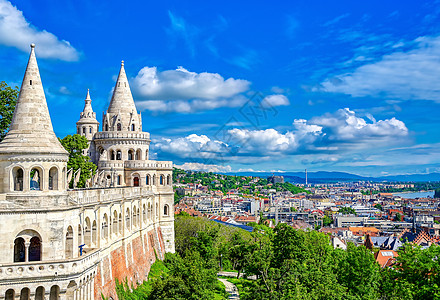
31, 128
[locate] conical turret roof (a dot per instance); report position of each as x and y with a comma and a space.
31, 130
122, 99
87, 115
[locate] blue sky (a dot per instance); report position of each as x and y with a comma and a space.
243, 85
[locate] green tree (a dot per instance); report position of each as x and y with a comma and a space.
378, 206
75, 144
347, 211
326, 221
437, 193
358, 271
8, 100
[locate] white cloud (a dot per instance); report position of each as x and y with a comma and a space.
345, 126
404, 75
205, 167
16, 31
181, 84
183, 91
275, 100
342, 132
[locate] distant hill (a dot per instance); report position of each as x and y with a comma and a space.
324, 176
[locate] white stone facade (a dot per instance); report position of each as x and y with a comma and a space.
54, 241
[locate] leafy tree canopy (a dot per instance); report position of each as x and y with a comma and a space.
75, 144
8, 100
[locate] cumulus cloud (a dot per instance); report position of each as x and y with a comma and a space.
16, 31
275, 100
340, 132
405, 75
184, 91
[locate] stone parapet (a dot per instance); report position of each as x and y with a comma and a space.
118, 135
56, 268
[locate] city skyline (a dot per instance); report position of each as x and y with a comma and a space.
244, 86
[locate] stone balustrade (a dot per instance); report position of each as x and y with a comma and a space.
121, 135
148, 164
97, 195
39, 269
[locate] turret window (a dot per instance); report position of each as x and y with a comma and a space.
132, 127
84, 130
130, 154
53, 178
90, 129
119, 155
30, 82
106, 127
35, 179
17, 175
119, 127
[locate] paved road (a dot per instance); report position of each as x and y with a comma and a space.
234, 275
231, 289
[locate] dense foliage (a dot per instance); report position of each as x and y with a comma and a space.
75, 144
288, 264
347, 211
244, 184
8, 100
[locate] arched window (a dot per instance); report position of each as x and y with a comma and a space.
112, 155
166, 210
35, 249
17, 174
104, 227
69, 243
10, 294
120, 223
39, 293
90, 129
54, 292
136, 181
154, 179
144, 214
53, 178
119, 155
132, 127
161, 180
149, 211
168, 179
146, 155
94, 233
135, 222
115, 223
119, 127
138, 154
106, 127
119, 179
19, 250
87, 233
127, 219
130, 154
35, 179
147, 180
157, 210
25, 294
84, 130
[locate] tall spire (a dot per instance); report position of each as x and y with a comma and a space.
31, 128
121, 113
122, 99
88, 110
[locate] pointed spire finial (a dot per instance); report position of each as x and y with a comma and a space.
32, 45
88, 95
122, 62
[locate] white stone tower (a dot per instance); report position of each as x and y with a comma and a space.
87, 125
32, 160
